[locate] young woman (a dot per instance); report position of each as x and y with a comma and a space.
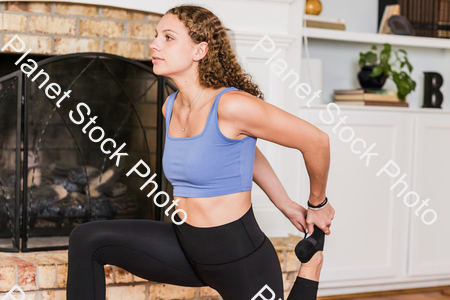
211, 158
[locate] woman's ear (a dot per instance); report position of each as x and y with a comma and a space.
202, 49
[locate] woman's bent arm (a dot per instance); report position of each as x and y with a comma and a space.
257, 118
264, 176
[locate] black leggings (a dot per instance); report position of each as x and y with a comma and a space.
236, 259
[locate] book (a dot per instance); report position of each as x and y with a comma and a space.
323, 25
443, 26
443, 29
372, 103
443, 33
313, 21
368, 96
424, 15
381, 103
362, 91
351, 91
324, 19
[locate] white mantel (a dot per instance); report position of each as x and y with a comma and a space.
246, 15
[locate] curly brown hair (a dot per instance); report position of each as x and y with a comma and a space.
219, 67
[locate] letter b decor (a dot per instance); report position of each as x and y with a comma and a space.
432, 88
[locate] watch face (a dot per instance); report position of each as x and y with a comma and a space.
400, 25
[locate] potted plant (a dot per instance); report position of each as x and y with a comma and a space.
376, 68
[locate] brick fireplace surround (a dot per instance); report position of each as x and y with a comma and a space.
62, 28
54, 28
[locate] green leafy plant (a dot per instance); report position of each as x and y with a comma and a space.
392, 68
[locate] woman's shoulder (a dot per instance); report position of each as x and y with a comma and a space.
237, 102
165, 103
237, 94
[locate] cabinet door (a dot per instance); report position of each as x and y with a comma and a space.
369, 231
429, 251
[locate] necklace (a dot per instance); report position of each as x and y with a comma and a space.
187, 116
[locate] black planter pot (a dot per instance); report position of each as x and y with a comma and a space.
368, 82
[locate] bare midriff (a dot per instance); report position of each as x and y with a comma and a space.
214, 211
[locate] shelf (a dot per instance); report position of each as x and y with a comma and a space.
426, 110
375, 38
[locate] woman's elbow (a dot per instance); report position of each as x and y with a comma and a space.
319, 143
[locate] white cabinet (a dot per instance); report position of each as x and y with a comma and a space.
429, 246
377, 242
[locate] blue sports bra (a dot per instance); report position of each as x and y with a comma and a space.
208, 164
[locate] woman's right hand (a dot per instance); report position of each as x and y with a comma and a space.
321, 218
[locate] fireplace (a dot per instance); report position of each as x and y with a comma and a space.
57, 168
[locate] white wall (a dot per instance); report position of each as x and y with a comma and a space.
360, 15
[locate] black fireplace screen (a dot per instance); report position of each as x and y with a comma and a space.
57, 164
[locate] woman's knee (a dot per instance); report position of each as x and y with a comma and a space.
84, 233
